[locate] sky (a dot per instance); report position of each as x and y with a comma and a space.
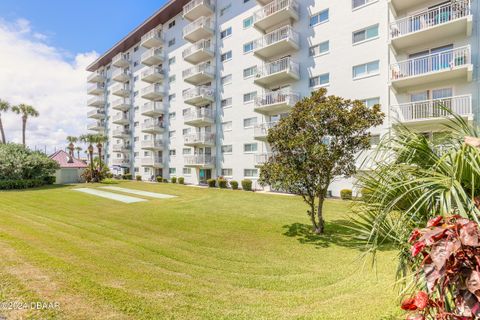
45, 47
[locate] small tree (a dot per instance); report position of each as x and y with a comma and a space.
26, 111
4, 107
315, 143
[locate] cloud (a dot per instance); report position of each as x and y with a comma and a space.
33, 72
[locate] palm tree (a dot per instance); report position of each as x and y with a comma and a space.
90, 139
26, 111
100, 139
4, 107
78, 149
71, 144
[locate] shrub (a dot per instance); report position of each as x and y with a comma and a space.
346, 194
165, 180
49, 179
222, 183
159, 179
174, 179
20, 184
211, 183
366, 193
181, 180
234, 184
109, 181
127, 176
247, 184
139, 178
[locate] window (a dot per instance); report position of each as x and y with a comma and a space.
135, 63
365, 34
225, 33
248, 47
172, 79
136, 124
227, 172
371, 102
367, 69
227, 126
171, 61
226, 103
359, 3
135, 154
135, 49
319, 18
319, 49
172, 152
249, 97
185, 131
248, 22
171, 134
136, 169
172, 170
146, 170
374, 140
171, 24
321, 80
249, 122
172, 115
172, 97
251, 173
227, 148
226, 79
186, 151
225, 9
226, 56
249, 72
171, 42
187, 171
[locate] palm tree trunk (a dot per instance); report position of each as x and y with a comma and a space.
91, 165
2, 131
24, 128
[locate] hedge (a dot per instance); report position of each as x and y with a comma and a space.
346, 194
139, 178
159, 179
234, 184
181, 180
222, 183
21, 184
247, 185
127, 176
212, 183
174, 179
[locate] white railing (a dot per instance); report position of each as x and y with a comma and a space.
150, 144
151, 161
430, 18
200, 68
119, 102
153, 88
120, 162
200, 91
420, 110
274, 7
151, 71
204, 138
262, 158
275, 97
202, 22
158, 52
153, 107
120, 148
284, 33
119, 72
95, 126
282, 65
199, 159
194, 3
95, 86
152, 124
95, 76
119, 117
120, 87
261, 130
198, 114
96, 100
95, 112
152, 34
199, 45
435, 62
120, 132
120, 57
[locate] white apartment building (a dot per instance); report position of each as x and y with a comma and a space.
193, 91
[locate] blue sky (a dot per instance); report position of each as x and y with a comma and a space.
80, 25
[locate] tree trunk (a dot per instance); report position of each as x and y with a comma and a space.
91, 166
321, 223
2, 132
24, 128
100, 163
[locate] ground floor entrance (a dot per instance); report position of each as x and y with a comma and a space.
204, 175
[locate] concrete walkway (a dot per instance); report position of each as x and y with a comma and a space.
140, 192
109, 195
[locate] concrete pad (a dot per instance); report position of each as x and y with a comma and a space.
140, 192
109, 195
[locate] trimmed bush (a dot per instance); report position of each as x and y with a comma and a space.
212, 183
109, 181
139, 178
127, 176
366, 194
20, 184
181, 180
222, 183
49, 179
247, 184
346, 194
234, 184
174, 179
159, 179
165, 180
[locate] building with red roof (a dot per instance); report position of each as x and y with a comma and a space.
71, 169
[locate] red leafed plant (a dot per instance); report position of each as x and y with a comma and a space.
447, 261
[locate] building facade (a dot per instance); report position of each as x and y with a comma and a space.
193, 91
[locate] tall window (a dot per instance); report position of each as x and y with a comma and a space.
321, 48
321, 80
248, 22
319, 18
365, 34
226, 56
249, 97
366, 69
250, 147
249, 122
225, 33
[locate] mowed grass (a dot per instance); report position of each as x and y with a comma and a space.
207, 254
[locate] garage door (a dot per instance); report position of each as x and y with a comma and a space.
69, 176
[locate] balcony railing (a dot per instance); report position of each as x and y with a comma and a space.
198, 114
152, 56
200, 138
199, 45
152, 124
96, 88
120, 74
430, 18
123, 104
96, 76
120, 148
152, 144
94, 113
435, 62
152, 91
120, 162
152, 38
194, 3
436, 108
120, 117
153, 107
261, 130
277, 97
152, 74
96, 101
284, 33
202, 22
205, 91
201, 68
282, 65
261, 159
274, 7
121, 60
151, 161
120, 132
199, 159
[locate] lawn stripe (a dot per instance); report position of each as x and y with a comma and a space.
140, 193
109, 195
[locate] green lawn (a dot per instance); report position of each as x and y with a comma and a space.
208, 254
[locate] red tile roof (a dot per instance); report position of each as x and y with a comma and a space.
62, 158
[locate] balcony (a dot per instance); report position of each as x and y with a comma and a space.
199, 140
260, 159
152, 126
276, 102
98, 126
121, 148
96, 77
430, 112
402, 5
121, 134
152, 39
155, 162
199, 74
121, 90
153, 92
199, 117
120, 162
446, 65
202, 28
274, 13
121, 60
278, 72
120, 118
98, 101
121, 104
96, 114
263, 2
96, 89
199, 96
278, 42
152, 57
197, 8
448, 20
152, 145
153, 109
200, 160
121, 75
260, 132
200, 51
152, 75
